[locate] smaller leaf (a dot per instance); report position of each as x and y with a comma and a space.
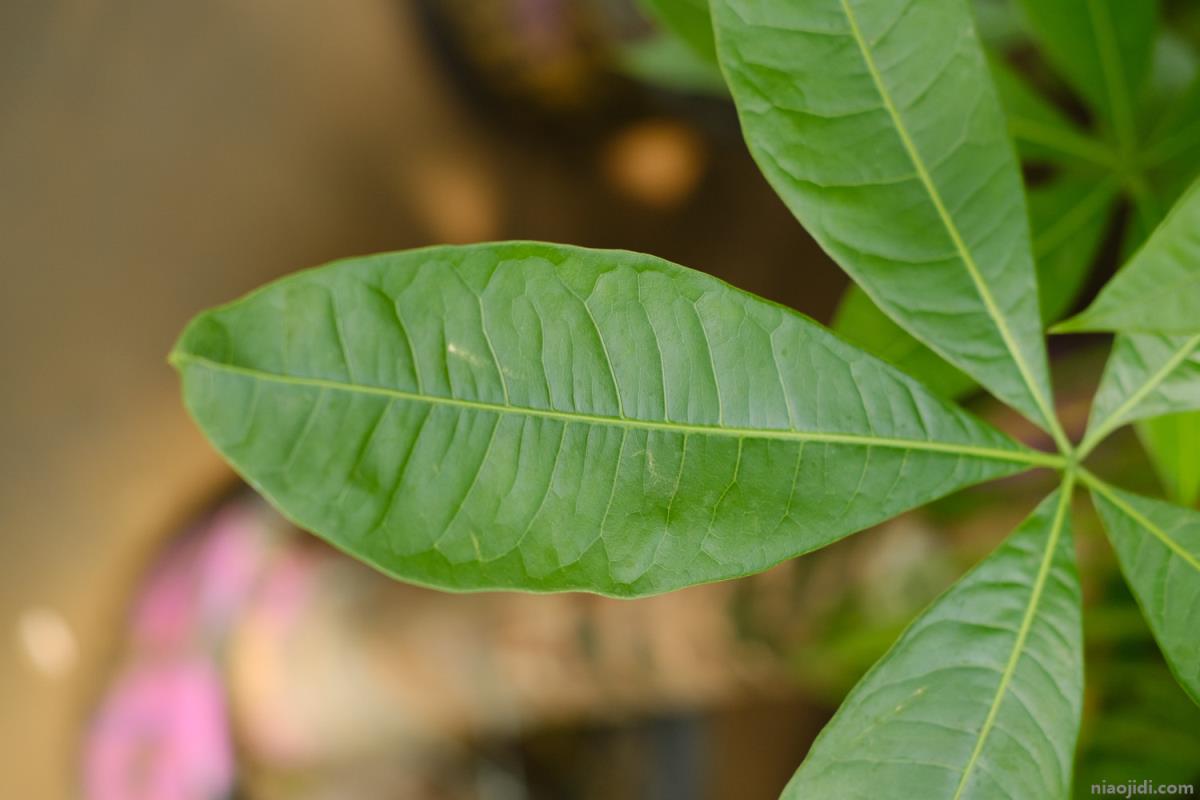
1103, 48
1158, 547
981, 696
1146, 376
933, 224
1172, 73
669, 62
1159, 290
1173, 445
689, 20
861, 322
1041, 131
1068, 218
1173, 154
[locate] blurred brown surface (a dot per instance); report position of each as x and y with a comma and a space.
157, 158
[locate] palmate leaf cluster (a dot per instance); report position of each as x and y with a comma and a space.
543, 417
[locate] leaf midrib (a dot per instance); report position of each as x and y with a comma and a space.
1021, 456
1100, 487
1014, 659
964, 252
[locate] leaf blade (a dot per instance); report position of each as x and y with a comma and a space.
1172, 442
1146, 376
689, 20
947, 258
1068, 217
544, 417
1159, 290
952, 697
1103, 48
1158, 548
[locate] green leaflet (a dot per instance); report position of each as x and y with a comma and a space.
689, 20
1146, 376
667, 61
1158, 546
1040, 130
543, 417
1159, 290
1068, 218
1103, 48
1173, 444
861, 322
933, 224
981, 696
1173, 73
1172, 155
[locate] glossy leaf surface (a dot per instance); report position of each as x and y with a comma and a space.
543, 417
1159, 290
933, 223
981, 696
1158, 545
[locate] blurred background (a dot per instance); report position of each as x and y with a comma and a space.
164, 635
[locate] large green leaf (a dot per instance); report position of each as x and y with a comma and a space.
543, 417
1068, 217
1158, 546
1104, 48
981, 696
687, 19
877, 124
1146, 376
1159, 290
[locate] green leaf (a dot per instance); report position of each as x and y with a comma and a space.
932, 223
667, 61
1159, 290
861, 322
1040, 130
543, 417
687, 19
1069, 216
1104, 49
1173, 444
1158, 546
1173, 154
1146, 376
981, 696
1172, 74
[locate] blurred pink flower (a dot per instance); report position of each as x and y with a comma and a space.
161, 734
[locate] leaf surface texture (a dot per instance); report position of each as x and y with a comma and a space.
981, 696
877, 123
1158, 546
544, 417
